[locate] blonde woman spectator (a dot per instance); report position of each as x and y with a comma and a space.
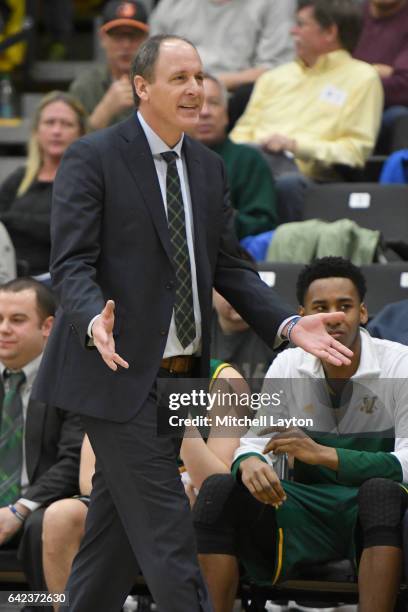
25, 196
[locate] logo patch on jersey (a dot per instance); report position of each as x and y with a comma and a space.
368, 405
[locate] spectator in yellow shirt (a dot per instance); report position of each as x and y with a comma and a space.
321, 110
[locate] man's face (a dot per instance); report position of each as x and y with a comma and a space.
337, 294
121, 45
311, 40
228, 317
22, 333
172, 101
213, 119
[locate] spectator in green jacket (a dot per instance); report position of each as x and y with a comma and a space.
250, 179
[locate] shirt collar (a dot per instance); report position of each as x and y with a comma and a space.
326, 61
368, 367
156, 144
30, 370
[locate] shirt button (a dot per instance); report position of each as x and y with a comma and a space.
163, 332
170, 285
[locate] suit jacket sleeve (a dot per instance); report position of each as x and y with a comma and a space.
76, 216
61, 479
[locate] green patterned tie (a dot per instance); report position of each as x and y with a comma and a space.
11, 438
183, 307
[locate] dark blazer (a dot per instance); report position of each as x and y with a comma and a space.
110, 240
52, 443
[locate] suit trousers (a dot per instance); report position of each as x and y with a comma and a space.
139, 516
27, 544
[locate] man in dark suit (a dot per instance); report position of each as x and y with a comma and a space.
41, 465
141, 219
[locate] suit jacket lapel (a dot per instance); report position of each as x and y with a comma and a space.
138, 158
33, 434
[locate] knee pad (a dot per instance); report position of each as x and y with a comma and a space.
381, 506
212, 498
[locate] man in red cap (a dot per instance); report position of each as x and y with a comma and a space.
105, 90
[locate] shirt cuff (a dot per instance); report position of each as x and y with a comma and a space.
31, 505
89, 330
305, 150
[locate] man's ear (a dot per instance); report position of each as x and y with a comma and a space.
363, 314
332, 33
301, 311
47, 326
141, 87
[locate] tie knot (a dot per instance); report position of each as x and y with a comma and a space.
170, 157
15, 379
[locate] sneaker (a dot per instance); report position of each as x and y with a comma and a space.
270, 606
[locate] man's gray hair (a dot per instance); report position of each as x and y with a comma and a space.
145, 61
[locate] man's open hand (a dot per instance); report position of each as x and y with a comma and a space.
262, 481
311, 335
102, 334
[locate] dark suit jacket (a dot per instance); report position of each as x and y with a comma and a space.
52, 442
110, 240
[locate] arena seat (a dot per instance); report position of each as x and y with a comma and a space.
370, 205
8, 165
385, 282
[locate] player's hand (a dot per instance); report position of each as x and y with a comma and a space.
102, 334
297, 444
311, 335
262, 481
293, 441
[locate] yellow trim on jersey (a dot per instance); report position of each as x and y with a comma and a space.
403, 487
217, 372
280, 556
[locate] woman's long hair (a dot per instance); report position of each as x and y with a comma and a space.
35, 158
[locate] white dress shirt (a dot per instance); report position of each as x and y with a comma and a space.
157, 146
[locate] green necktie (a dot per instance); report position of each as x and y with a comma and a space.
183, 307
11, 438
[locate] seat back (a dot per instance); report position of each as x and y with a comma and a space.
282, 278
385, 284
9, 164
370, 205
